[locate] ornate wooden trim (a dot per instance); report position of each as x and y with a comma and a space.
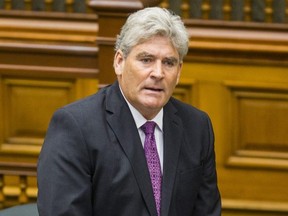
248, 101
236, 42
254, 206
122, 6
43, 71
18, 168
115, 6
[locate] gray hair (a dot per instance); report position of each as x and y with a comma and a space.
149, 22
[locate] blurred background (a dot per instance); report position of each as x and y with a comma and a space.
53, 52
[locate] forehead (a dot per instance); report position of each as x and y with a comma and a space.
158, 46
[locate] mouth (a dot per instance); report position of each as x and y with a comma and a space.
153, 89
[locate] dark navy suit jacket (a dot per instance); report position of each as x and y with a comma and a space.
92, 162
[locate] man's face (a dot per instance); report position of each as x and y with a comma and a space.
149, 74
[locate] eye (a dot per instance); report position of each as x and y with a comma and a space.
146, 60
169, 63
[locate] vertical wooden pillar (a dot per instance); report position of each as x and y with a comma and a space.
112, 14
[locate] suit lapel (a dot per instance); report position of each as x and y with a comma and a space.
172, 127
122, 123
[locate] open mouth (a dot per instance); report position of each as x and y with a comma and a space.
154, 89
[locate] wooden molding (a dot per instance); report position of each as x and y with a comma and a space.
43, 15
116, 6
122, 6
254, 162
255, 141
185, 91
18, 168
237, 42
77, 31
44, 71
253, 205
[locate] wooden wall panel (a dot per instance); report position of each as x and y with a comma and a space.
259, 113
28, 106
17, 189
249, 110
242, 81
45, 63
185, 91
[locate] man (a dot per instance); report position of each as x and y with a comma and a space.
98, 157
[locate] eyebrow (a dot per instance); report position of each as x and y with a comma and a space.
146, 54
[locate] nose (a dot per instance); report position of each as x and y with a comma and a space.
157, 70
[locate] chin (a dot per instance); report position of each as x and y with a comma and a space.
153, 103
154, 106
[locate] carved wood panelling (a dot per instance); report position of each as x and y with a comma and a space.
252, 181
18, 183
69, 6
184, 91
254, 208
28, 106
259, 113
46, 61
231, 10
17, 189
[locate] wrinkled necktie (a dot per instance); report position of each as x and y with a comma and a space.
153, 161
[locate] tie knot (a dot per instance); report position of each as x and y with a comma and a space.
148, 127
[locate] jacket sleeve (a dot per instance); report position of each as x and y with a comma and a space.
208, 200
64, 173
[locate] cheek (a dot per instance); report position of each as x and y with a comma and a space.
130, 83
130, 79
134, 76
173, 81
127, 74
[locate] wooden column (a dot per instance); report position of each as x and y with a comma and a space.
112, 14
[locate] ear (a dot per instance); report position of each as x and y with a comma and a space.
179, 72
118, 62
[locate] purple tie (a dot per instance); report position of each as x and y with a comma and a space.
153, 161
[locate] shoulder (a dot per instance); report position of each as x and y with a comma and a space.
89, 103
83, 109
